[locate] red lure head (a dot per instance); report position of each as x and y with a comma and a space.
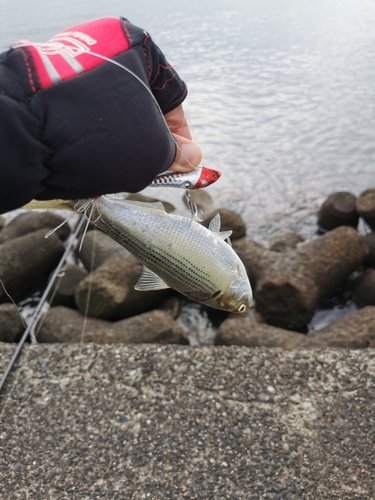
208, 176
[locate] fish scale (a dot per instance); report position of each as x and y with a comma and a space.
185, 255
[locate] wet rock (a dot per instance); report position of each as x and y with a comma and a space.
97, 247
229, 221
284, 240
355, 331
247, 332
171, 305
27, 261
66, 325
29, 222
111, 290
147, 199
11, 326
339, 209
65, 292
366, 206
370, 240
364, 289
289, 286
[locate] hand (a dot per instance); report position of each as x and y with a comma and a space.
188, 155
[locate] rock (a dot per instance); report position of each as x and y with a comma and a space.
284, 240
11, 326
229, 221
67, 325
2, 222
29, 222
111, 289
65, 292
339, 209
289, 286
364, 289
356, 331
147, 199
365, 206
241, 332
27, 261
97, 247
370, 240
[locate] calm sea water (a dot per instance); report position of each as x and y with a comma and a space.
281, 92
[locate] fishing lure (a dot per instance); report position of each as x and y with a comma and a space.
199, 178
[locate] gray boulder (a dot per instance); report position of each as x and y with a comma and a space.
11, 326
364, 289
29, 222
289, 286
27, 261
284, 240
365, 206
111, 290
69, 326
356, 331
97, 247
72, 275
339, 209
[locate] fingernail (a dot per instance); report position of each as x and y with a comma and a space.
188, 155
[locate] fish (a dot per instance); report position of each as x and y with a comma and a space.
176, 252
199, 178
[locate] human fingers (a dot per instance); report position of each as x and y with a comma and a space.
177, 122
188, 155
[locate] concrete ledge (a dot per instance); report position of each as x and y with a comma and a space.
172, 422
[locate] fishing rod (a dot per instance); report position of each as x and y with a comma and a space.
43, 300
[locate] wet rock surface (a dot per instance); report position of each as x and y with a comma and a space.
109, 293
29, 222
284, 241
71, 276
145, 421
339, 209
63, 325
366, 206
370, 241
27, 261
289, 286
364, 289
96, 248
11, 326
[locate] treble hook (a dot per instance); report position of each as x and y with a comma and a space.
194, 210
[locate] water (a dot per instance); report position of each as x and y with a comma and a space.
281, 92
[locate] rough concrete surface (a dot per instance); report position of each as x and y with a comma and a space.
173, 422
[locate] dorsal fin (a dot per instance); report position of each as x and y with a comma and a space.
214, 226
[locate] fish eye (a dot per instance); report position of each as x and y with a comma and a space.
241, 308
214, 175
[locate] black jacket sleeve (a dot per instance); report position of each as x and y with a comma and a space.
75, 125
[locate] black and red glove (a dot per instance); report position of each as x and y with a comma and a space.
74, 125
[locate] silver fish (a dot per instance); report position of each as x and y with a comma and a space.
177, 252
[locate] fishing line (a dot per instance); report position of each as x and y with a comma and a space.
38, 310
15, 305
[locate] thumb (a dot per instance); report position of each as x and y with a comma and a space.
188, 155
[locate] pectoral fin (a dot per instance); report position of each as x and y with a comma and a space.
150, 281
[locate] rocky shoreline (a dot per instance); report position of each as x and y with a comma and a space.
95, 300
